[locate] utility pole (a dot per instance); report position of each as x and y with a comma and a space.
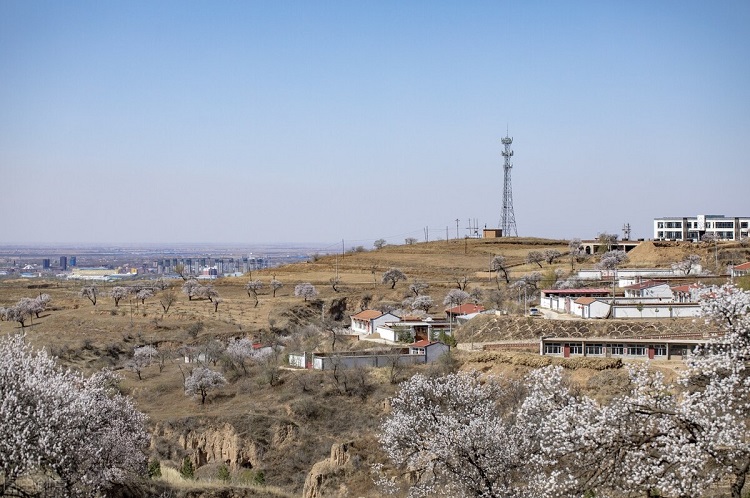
457, 228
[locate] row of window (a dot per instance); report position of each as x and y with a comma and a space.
599, 349
694, 224
692, 235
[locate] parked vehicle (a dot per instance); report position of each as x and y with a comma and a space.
534, 312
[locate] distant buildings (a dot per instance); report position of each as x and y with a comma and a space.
694, 228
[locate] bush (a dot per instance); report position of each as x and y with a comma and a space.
255, 477
186, 469
154, 469
223, 473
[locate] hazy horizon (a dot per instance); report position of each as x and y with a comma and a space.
295, 121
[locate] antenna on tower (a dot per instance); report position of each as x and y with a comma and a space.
508, 222
626, 231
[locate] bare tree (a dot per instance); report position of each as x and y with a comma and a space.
575, 250
535, 257
167, 299
252, 288
180, 270
608, 240
365, 301
410, 241
499, 265
379, 243
90, 292
392, 276
217, 300
461, 282
334, 281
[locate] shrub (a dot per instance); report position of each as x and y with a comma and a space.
154, 469
223, 473
186, 469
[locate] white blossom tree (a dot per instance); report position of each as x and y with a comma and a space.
423, 303
575, 250
535, 257
74, 435
418, 287
550, 255
452, 436
190, 287
392, 276
117, 293
144, 294
143, 356
688, 264
275, 285
379, 244
203, 380
305, 290
610, 260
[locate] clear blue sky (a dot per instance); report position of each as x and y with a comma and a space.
286, 121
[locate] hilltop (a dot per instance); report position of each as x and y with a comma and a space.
271, 425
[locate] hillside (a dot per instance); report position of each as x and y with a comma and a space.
272, 425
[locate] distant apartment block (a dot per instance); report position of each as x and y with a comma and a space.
694, 228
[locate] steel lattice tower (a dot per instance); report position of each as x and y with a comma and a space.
508, 223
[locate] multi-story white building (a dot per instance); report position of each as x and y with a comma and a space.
694, 228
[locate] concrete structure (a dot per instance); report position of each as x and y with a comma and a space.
562, 299
414, 329
492, 233
607, 347
464, 309
366, 322
594, 246
417, 353
694, 228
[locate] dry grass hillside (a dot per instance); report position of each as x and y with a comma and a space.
272, 426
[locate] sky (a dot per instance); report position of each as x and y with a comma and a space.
322, 121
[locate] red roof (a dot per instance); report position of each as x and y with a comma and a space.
423, 343
646, 284
743, 266
585, 300
600, 290
368, 314
465, 309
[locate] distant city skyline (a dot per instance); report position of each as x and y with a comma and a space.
316, 122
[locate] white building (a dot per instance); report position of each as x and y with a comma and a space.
694, 228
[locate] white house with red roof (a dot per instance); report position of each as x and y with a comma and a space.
649, 289
562, 299
432, 350
464, 309
366, 322
740, 270
687, 293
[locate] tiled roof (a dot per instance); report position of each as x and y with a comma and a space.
423, 343
685, 287
646, 284
600, 290
367, 314
585, 300
743, 266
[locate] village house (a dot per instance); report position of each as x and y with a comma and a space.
416, 353
413, 329
649, 289
740, 270
464, 309
562, 299
366, 322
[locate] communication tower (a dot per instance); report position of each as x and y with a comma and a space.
508, 223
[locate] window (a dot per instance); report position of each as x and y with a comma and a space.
552, 349
660, 350
743, 224
617, 349
660, 224
724, 224
576, 348
636, 350
660, 235
593, 349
